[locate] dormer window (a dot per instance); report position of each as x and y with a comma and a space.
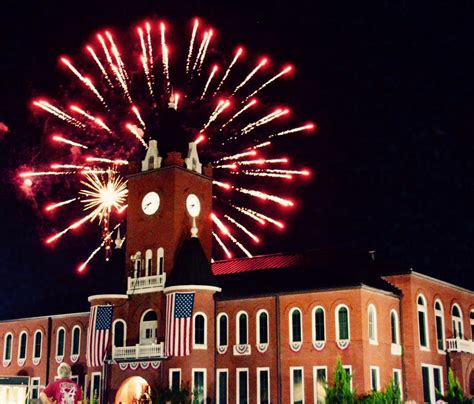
148, 328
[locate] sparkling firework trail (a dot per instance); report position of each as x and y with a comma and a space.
122, 83
61, 139
265, 197
259, 217
219, 109
45, 173
276, 77
201, 49
191, 44
75, 225
105, 49
264, 144
137, 132
262, 63
147, 75
164, 55
243, 228
263, 121
237, 156
310, 126
225, 230
139, 117
105, 242
69, 166
118, 58
246, 107
97, 121
262, 161
264, 174
249, 213
85, 80
234, 61
58, 204
108, 161
46, 106
204, 51
150, 47
222, 184
211, 75
101, 66
221, 243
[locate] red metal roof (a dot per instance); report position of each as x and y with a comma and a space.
274, 261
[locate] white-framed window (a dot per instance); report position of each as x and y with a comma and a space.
263, 385
60, 343
148, 262
242, 385
342, 323
471, 320
295, 325
75, 378
319, 324
372, 316
432, 377
439, 324
348, 369
199, 386
34, 388
320, 377
242, 336
76, 341
222, 389
23, 341
422, 322
148, 327
37, 346
95, 390
175, 379
137, 264
397, 380
222, 331
262, 327
119, 333
160, 260
456, 315
375, 378
199, 331
394, 328
296, 385
7, 348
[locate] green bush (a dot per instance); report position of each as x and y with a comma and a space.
454, 393
340, 391
390, 395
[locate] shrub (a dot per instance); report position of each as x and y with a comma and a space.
454, 393
340, 391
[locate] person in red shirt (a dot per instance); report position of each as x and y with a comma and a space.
62, 391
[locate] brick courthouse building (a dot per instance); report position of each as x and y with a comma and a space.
263, 329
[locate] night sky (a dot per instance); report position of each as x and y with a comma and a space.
390, 85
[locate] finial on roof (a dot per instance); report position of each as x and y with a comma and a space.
194, 229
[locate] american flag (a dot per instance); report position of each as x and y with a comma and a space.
100, 323
179, 310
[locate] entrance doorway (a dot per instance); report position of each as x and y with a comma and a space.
131, 390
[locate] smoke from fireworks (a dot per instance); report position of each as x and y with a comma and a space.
124, 90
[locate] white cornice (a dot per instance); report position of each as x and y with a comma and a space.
190, 287
95, 297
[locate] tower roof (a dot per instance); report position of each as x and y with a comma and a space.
192, 266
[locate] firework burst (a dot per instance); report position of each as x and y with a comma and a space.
123, 91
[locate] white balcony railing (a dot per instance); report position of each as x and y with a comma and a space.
151, 351
146, 284
460, 345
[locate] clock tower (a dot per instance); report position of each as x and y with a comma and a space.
170, 199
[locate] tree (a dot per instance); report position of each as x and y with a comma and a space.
339, 392
454, 393
390, 395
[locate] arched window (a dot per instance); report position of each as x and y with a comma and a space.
222, 330
422, 321
22, 346
60, 338
148, 261
262, 327
148, 328
37, 343
200, 331
161, 261
457, 322
119, 333
342, 323
76, 341
439, 323
296, 328
7, 348
137, 264
319, 328
242, 328
471, 319
395, 332
372, 314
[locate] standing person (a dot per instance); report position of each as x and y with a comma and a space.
62, 391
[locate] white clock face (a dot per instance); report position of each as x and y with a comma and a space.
193, 205
150, 203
